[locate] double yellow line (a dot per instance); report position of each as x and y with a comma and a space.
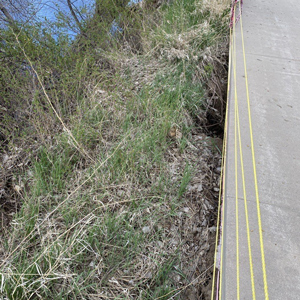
218, 277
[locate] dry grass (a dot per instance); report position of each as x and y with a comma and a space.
216, 8
122, 203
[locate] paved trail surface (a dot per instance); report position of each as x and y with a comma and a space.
272, 50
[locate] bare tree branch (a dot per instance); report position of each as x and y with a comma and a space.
75, 17
9, 19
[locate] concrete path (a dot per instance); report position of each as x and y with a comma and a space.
272, 46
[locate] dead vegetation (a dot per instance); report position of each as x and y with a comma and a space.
133, 214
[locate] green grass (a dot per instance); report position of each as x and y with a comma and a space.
98, 212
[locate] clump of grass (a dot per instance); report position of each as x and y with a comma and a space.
100, 216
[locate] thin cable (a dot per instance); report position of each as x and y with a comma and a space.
238, 128
255, 173
236, 166
222, 181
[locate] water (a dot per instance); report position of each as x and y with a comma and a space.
51, 11
48, 11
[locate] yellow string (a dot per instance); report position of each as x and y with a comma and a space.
224, 157
254, 172
224, 166
237, 127
219, 207
246, 205
236, 166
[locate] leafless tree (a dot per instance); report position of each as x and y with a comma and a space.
74, 15
22, 11
13, 10
7, 16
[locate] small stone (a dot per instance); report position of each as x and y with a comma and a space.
216, 189
212, 229
172, 132
92, 264
200, 188
17, 188
146, 229
186, 209
207, 205
5, 159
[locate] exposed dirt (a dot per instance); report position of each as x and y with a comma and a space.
213, 116
198, 226
196, 221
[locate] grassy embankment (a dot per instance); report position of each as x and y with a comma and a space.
105, 194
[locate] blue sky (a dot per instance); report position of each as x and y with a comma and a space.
48, 9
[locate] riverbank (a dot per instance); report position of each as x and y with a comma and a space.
110, 184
